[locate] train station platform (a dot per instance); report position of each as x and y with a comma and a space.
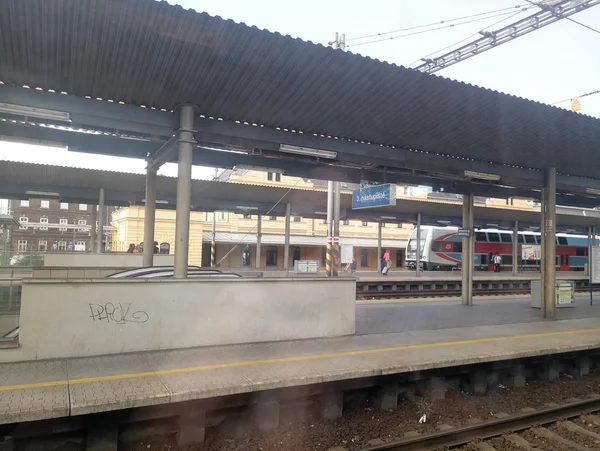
450, 276
62, 387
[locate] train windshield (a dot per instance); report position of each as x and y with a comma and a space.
411, 248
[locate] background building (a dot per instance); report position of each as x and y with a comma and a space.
48, 225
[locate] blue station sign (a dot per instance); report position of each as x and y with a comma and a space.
374, 196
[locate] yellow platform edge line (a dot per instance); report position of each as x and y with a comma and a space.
293, 359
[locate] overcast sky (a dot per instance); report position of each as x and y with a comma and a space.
554, 63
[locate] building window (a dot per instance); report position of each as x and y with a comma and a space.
45, 204
62, 245
42, 245
83, 207
346, 222
43, 221
22, 245
297, 218
25, 203
23, 220
210, 216
399, 225
223, 216
324, 221
273, 218
247, 216
82, 222
63, 222
80, 246
274, 176
365, 223
64, 205
383, 224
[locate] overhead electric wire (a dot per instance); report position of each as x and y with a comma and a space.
467, 38
438, 28
434, 23
582, 95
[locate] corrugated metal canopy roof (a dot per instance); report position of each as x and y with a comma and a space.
82, 185
150, 53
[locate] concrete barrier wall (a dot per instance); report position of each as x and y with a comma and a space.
86, 318
113, 260
88, 272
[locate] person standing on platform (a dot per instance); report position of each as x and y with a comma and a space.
497, 262
386, 263
131, 249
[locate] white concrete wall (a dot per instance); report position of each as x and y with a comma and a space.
86, 318
109, 259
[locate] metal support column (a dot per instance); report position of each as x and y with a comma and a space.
100, 237
328, 255
542, 251
286, 237
258, 238
589, 252
550, 244
336, 267
471, 245
184, 190
467, 251
92, 247
379, 233
149, 217
515, 249
213, 242
418, 268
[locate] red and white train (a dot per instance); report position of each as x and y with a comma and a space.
441, 249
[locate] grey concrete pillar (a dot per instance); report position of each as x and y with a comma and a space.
518, 374
328, 261
213, 242
418, 268
100, 238
286, 237
379, 234
550, 244
337, 267
92, 247
467, 251
332, 404
149, 217
191, 427
258, 238
387, 398
589, 250
515, 249
184, 190
542, 242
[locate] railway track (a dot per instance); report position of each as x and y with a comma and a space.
525, 431
399, 294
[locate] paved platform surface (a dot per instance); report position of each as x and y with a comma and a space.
49, 389
426, 276
387, 317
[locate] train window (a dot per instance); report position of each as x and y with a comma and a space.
562, 240
520, 239
506, 237
529, 239
480, 236
494, 237
437, 246
581, 251
507, 259
457, 247
484, 259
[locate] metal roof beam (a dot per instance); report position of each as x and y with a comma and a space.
95, 114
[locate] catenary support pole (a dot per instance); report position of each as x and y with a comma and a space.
100, 236
471, 246
328, 255
542, 245
336, 267
379, 236
258, 239
515, 249
92, 247
149, 217
418, 261
550, 272
184, 190
286, 238
213, 242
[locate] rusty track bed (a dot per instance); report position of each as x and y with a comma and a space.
489, 429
